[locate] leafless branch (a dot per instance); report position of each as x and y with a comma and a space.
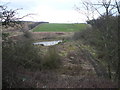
118, 6
8, 17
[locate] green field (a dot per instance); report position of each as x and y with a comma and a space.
55, 27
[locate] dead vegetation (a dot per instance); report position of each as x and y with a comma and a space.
66, 65
62, 66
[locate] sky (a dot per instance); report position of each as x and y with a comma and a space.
53, 11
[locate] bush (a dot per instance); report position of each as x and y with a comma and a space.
89, 36
15, 55
103, 40
22, 53
83, 34
52, 59
5, 35
27, 34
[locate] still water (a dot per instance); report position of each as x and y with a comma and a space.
47, 43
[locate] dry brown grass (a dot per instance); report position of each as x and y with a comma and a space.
50, 79
49, 35
74, 72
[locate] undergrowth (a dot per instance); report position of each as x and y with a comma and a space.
24, 54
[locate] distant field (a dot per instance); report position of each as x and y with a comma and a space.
50, 27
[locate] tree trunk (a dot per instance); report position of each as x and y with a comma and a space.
109, 71
118, 71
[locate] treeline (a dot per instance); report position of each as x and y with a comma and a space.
31, 26
28, 25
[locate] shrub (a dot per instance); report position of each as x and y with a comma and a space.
5, 35
27, 34
25, 54
52, 59
15, 55
105, 42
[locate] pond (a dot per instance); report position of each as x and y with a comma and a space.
48, 43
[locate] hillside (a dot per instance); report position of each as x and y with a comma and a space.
59, 27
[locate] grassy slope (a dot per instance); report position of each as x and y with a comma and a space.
50, 27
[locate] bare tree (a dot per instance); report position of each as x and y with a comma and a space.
8, 17
87, 10
118, 6
118, 69
109, 7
